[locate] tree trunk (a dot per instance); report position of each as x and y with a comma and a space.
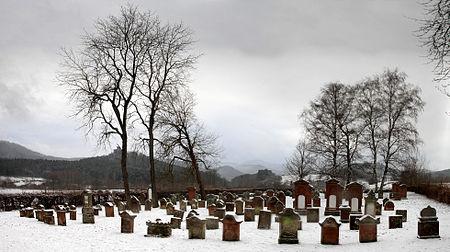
349, 162
123, 164
197, 175
375, 177
386, 166
152, 170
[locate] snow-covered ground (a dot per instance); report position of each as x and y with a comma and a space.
21, 181
23, 234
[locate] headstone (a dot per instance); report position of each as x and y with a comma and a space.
29, 212
191, 193
282, 197
148, 205
249, 214
183, 205
97, 208
279, 207
219, 212
135, 205
428, 226
333, 196
178, 214
239, 207
312, 214
229, 206
403, 213
258, 204
201, 204
345, 213
352, 224
109, 209
127, 222
211, 209
316, 201
120, 206
194, 204
369, 204
367, 228
289, 223
212, 223
175, 222
389, 206
354, 194
162, 203
231, 228
264, 220
61, 216
170, 208
395, 221
302, 196
87, 210
378, 208
269, 192
220, 203
48, 217
158, 229
271, 203
73, 212
403, 190
196, 228
330, 231
385, 200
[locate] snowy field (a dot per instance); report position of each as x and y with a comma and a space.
25, 234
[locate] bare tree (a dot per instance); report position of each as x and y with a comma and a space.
434, 34
301, 162
370, 109
184, 138
166, 69
101, 77
402, 105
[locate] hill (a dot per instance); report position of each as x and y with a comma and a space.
228, 172
11, 150
262, 178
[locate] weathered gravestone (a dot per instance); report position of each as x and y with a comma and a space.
316, 200
264, 220
330, 231
345, 213
61, 216
258, 204
352, 223
148, 205
73, 212
395, 221
312, 214
249, 214
48, 217
158, 229
239, 207
183, 205
403, 213
231, 228
196, 228
220, 203
212, 223
367, 228
175, 222
219, 212
211, 209
389, 206
87, 210
97, 208
29, 212
282, 197
428, 226
369, 204
279, 207
127, 222
178, 214
120, 206
162, 203
134, 204
271, 203
170, 208
229, 206
109, 209
190, 214
403, 190
378, 208
289, 223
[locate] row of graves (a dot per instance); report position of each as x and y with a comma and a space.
231, 210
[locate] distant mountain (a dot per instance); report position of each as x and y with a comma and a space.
227, 172
442, 173
261, 178
15, 151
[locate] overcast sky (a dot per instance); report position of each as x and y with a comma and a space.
263, 61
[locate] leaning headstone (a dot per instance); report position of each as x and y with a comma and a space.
395, 221
231, 228
289, 222
212, 223
330, 231
367, 228
87, 210
389, 206
219, 212
312, 214
352, 224
264, 220
127, 222
428, 226
403, 213
239, 207
249, 214
369, 204
345, 213
196, 228
158, 229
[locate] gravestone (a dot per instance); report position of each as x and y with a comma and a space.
219, 212
158, 229
231, 228
212, 223
282, 197
87, 210
109, 209
191, 193
194, 204
403, 213
428, 226
61, 216
120, 206
403, 190
127, 222
48, 217
330, 231
264, 220
378, 208
333, 196
229, 206
248, 204
220, 203
196, 228
211, 209
175, 222
201, 204
367, 228
269, 192
142, 198
97, 208
134, 205
279, 207
170, 208
352, 224
369, 204
183, 205
148, 205
288, 227
316, 200
354, 194
345, 213
395, 221
271, 203
258, 204
162, 203
178, 214
385, 200
389, 206
29, 212
249, 214
302, 196
239, 207
73, 212
312, 214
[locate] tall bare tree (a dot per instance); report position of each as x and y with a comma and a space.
301, 162
101, 77
166, 69
434, 34
184, 138
402, 105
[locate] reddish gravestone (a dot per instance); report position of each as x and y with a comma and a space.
231, 228
354, 194
239, 207
127, 222
389, 206
61, 216
403, 190
333, 196
73, 212
302, 196
345, 213
316, 200
109, 209
395, 187
282, 197
229, 206
48, 217
330, 231
211, 209
367, 228
191, 193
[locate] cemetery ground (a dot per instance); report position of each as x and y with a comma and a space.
22, 234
